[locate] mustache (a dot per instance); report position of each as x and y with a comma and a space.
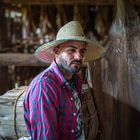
76, 61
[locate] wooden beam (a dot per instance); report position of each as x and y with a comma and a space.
19, 59
65, 2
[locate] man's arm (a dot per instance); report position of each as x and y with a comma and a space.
41, 111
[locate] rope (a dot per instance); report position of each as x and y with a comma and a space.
14, 112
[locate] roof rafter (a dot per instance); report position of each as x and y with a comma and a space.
65, 2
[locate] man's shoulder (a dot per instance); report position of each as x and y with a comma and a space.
45, 76
45, 80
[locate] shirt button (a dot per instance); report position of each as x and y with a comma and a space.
74, 114
72, 131
71, 99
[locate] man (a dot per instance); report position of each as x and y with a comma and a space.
53, 100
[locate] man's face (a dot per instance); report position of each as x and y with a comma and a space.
70, 55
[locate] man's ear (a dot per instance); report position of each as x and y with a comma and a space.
56, 50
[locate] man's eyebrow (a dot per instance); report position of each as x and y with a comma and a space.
84, 49
71, 46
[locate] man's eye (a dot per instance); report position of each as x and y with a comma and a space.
83, 52
71, 50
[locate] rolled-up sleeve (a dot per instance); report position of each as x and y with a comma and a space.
41, 111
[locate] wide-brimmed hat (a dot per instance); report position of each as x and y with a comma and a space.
70, 31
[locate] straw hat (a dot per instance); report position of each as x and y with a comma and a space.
70, 31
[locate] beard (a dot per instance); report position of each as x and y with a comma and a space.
73, 67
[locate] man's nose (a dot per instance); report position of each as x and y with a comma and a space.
78, 56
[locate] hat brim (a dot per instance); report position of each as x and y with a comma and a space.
45, 52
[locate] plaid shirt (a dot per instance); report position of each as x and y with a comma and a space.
49, 109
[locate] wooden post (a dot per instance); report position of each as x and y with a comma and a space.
3, 29
118, 119
4, 83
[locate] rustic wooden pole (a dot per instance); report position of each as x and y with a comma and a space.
4, 83
3, 29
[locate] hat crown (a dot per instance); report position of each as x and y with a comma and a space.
70, 30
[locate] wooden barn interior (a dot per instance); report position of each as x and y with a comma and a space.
114, 79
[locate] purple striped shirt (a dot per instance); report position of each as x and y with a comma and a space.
49, 109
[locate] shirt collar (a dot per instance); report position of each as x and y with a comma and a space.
62, 81
54, 68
